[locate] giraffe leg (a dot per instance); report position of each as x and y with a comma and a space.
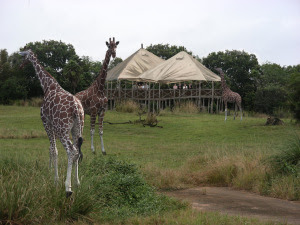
73, 156
93, 121
53, 161
234, 111
100, 118
75, 136
225, 111
241, 111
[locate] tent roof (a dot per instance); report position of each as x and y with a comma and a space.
179, 68
139, 62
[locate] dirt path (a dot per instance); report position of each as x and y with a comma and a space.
242, 203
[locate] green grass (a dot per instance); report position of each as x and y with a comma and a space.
190, 150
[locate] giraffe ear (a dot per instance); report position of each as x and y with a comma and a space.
117, 42
107, 44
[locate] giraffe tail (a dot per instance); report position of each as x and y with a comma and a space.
79, 143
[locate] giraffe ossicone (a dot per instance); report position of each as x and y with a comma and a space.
62, 114
229, 96
94, 100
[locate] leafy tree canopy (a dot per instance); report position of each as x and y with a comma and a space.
54, 54
114, 62
166, 51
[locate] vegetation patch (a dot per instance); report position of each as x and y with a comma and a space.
111, 190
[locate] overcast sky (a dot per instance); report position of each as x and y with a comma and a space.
270, 29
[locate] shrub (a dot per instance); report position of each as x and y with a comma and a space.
111, 190
185, 107
287, 161
127, 106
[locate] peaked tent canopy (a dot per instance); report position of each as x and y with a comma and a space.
181, 67
139, 62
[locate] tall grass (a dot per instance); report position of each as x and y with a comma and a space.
33, 102
276, 176
127, 106
185, 107
113, 188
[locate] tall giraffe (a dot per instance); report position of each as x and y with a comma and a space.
229, 96
61, 114
94, 100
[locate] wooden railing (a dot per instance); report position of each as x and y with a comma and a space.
162, 94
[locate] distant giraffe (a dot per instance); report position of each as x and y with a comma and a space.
61, 114
229, 96
94, 100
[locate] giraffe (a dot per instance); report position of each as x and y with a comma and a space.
94, 100
229, 96
61, 113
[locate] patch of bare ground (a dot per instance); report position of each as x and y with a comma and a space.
233, 202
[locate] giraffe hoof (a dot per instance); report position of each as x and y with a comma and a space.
69, 193
94, 152
104, 153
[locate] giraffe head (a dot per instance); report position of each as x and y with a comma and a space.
219, 70
112, 45
26, 56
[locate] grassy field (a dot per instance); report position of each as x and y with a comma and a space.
190, 150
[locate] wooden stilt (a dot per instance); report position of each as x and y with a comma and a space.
212, 98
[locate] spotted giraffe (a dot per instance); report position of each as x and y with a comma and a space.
61, 114
94, 100
229, 96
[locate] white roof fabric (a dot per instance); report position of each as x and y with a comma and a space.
179, 68
139, 62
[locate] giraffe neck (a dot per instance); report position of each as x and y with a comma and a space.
223, 82
44, 77
102, 76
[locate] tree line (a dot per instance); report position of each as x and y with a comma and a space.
264, 88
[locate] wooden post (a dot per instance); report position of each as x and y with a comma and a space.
110, 95
119, 89
153, 101
132, 90
158, 96
212, 98
200, 94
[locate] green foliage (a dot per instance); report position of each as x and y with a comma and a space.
287, 161
71, 72
12, 89
59, 59
166, 51
272, 92
54, 54
294, 91
270, 98
114, 62
128, 106
113, 189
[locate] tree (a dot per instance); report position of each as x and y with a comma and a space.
114, 62
166, 51
4, 65
271, 91
294, 91
241, 69
53, 54
71, 72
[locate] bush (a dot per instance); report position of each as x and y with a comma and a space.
127, 106
185, 107
287, 161
111, 190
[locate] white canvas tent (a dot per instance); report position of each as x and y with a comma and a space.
181, 67
139, 62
